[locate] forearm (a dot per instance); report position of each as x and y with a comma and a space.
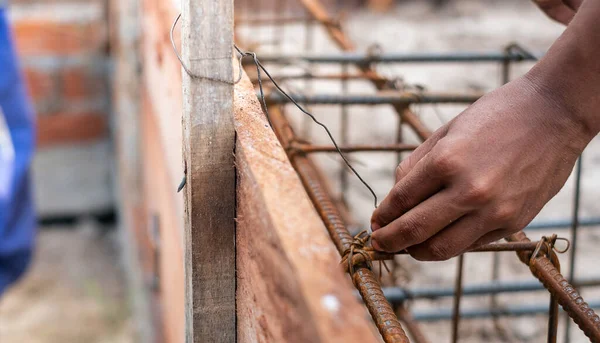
569, 74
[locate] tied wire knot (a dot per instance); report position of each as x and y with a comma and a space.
546, 245
359, 247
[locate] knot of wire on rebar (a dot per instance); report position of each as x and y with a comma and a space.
358, 246
546, 245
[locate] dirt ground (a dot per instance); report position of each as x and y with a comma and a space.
418, 26
73, 293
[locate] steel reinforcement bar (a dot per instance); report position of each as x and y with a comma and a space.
369, 288
382, 98
543, 268
362, 58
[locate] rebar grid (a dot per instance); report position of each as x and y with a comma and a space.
539, 256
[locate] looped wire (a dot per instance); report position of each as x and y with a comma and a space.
259, 68
547, 244
188, 71
358, 247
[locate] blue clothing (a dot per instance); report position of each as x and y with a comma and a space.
17, 217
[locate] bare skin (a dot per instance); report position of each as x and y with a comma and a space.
488, 172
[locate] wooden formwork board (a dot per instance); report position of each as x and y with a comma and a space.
290, 287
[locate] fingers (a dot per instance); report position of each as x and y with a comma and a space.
415, 187
408, 163
451, 241
418, 224
556, 9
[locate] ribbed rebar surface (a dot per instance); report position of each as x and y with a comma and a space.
567, 296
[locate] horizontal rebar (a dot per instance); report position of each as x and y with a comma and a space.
361, 58
309, 148
508, 311
374, 255
397, 295
395, 98
561, 224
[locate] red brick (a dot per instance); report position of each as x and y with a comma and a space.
40, 84
80, 84
50, 38
61, 129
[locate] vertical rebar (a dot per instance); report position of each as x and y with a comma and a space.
457, 297
344, 126
504, 79
399, 138
574, 227
553, 320
417, 335
309, 36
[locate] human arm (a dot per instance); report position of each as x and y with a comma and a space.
488, 172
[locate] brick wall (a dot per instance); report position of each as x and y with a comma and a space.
63, 47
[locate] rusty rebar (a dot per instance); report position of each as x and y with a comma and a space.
566, 295
574, 236
374, 255
411, 325
458, 292
363, 277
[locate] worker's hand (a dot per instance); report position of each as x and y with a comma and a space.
559, 10
484, 175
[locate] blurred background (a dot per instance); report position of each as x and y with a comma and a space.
78, 289
75, 289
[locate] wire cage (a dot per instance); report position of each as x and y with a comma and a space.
310, 55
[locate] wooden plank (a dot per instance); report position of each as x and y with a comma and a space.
60, 129
290, 284
208, 146
162, 78
159, 195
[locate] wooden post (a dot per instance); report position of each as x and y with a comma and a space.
208, 147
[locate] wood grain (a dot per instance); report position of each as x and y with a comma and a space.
208, 153
290, 286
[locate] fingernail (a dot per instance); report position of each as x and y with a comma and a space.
375, 227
